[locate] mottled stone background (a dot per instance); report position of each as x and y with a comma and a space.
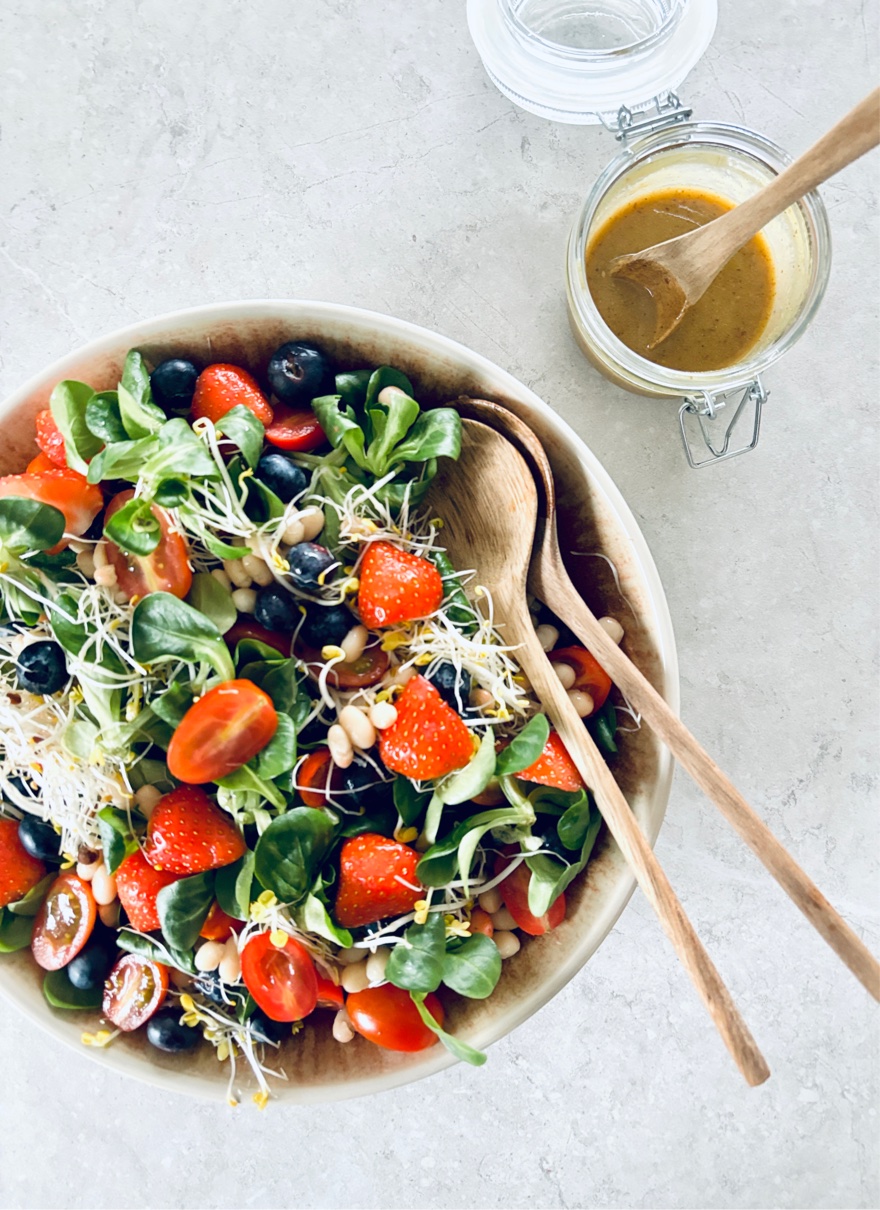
157, 155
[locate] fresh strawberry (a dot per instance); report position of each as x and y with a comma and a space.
369, 868
137, 885
65, 490
554, 767
50, 439
18, 870
220, 388
188, 834
396, 586
427, 739
40, 463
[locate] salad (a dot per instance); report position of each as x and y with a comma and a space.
263, 753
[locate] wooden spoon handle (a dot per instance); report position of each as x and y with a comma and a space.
640, 857
717, 786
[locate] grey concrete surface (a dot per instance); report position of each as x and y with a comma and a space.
158, 155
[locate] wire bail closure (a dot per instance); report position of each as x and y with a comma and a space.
669, 112
716, 435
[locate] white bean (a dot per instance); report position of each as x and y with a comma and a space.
548, 636
398, 675
293, 533
85, 562
502, 919
222, 578
360, 730
109, 914
581, 701
209, 957
490, 901
312, 521
99, 554
354, 642
258, 570
350, 956
507, 942
244, 600
106, 575
146, 798
382, 715
235, 569
86, 870
613, 628
341, 751
229, 967
376, 964
103, 886
566, 674
355, 978
341, 1029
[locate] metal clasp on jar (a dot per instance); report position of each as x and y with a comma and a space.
626, 125
717, 431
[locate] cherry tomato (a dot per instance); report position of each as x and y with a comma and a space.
311, 777
65, 490
283, 981
50, 439
218, 926
367, 669
515, 893
329, 994
166, 569
134, 990
221, 732
387, 1016
64, 923
590, 676
247, 628
295, 429
41, 463
481, 922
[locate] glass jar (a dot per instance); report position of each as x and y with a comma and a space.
733, 163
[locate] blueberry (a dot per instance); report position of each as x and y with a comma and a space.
91, 966
25, 789
265, 1029
173, 383
454, 686
283, 477
550, 840
325, 625
210, 986
298, 373
39, 838
309, 562
41, 667
276, 609
165, 1032
360, 787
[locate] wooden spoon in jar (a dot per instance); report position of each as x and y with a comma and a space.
489, 506
549, 582
678, 272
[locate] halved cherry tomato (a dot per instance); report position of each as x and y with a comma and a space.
311, 777
41, 463
134, 990
221, 732
218, 926
387, 1016
295, 429
481, 922
65, 490
166, 569
590, 676
367, 669
64, 923
283, 981
247, 628
515, 893
50, 439
329, 994
221, 387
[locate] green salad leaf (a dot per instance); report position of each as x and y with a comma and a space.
291, 851
28, 525
162, 626
183, 908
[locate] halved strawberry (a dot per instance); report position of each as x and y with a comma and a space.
188, 834
220, 388
137, 885
554, 767
18, 870
40, 463
427, 739
65, 490
396, 586
50, 439
370, 867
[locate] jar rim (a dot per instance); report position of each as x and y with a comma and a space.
593, 55
690, 382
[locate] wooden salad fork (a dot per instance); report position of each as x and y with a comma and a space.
489, 504
549, 582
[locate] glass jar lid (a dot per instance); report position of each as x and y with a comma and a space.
581, 61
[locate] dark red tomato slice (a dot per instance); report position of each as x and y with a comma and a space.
66, 490
166, 569
367, 669
295, 429
41, 463
50, 439
246, 628
312, 777
590, 676
387, 1016
329, 994
282, 980
218, 926
64, 923
134, 990
221, 732
515, 893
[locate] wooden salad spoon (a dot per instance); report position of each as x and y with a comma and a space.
678, 272
489, 505
549, 582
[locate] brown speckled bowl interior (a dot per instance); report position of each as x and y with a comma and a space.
594, 520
